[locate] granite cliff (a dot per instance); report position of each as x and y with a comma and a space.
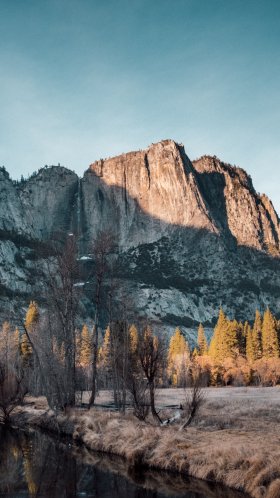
190, 235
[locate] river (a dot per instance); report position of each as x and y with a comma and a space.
38, 465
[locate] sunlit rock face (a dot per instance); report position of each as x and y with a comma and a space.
149, 194
232, 199
146, 194
190, 236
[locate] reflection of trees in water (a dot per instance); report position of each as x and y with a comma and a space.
46, 467
11, 470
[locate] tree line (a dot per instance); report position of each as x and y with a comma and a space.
239, 353
51, 353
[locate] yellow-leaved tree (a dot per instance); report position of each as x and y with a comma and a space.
270, 344
201, 341
85, 347
178, 358
31, 321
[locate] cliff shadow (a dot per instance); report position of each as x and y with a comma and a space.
210, 267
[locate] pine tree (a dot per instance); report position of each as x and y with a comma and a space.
78, 341
31, 320
133, 339
25, 350
195, 353
217, 347
32, 316
105, 350
230, 340
178, 356
257, 335
201, 341
270, 345
241, 338
250, 350
86, 347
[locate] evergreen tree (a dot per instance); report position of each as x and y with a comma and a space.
105, 350
257, 335
32, 316
178, 355
201, 341
31, 321
85, 347
25, 350
250, 350
230, 340
241, 338
133, 339
217, 347
78, 341
270, 345
195, 353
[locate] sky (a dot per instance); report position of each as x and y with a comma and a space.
85, 79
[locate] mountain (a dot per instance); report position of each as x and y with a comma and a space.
191, 236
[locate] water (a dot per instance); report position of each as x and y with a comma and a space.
37, 465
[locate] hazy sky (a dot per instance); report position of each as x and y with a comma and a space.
84, 79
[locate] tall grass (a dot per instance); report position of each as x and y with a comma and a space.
234, 443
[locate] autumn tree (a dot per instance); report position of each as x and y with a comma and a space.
31, 322
216, 348
85, 347
178, 358
250, 347
32, 316
257, 335
270, 344
201, 341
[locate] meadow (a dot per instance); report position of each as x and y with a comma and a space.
234, 439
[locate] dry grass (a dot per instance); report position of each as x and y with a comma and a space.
235, 439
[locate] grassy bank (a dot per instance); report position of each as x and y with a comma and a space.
233, 442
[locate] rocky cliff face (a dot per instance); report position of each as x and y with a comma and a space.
191, 236
249, 217
151, 193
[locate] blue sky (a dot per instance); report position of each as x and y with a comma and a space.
84, 79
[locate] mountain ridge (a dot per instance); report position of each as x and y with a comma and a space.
190, 235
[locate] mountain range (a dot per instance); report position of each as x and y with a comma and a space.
191, 236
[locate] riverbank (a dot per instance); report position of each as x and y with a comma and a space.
231, 442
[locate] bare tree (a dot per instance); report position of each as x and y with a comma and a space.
58, 328
151, 355
102, 248
137, 387
195, 396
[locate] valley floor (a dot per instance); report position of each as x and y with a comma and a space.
234, 440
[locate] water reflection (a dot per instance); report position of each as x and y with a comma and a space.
35, 464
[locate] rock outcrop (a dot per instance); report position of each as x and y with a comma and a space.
190, 236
